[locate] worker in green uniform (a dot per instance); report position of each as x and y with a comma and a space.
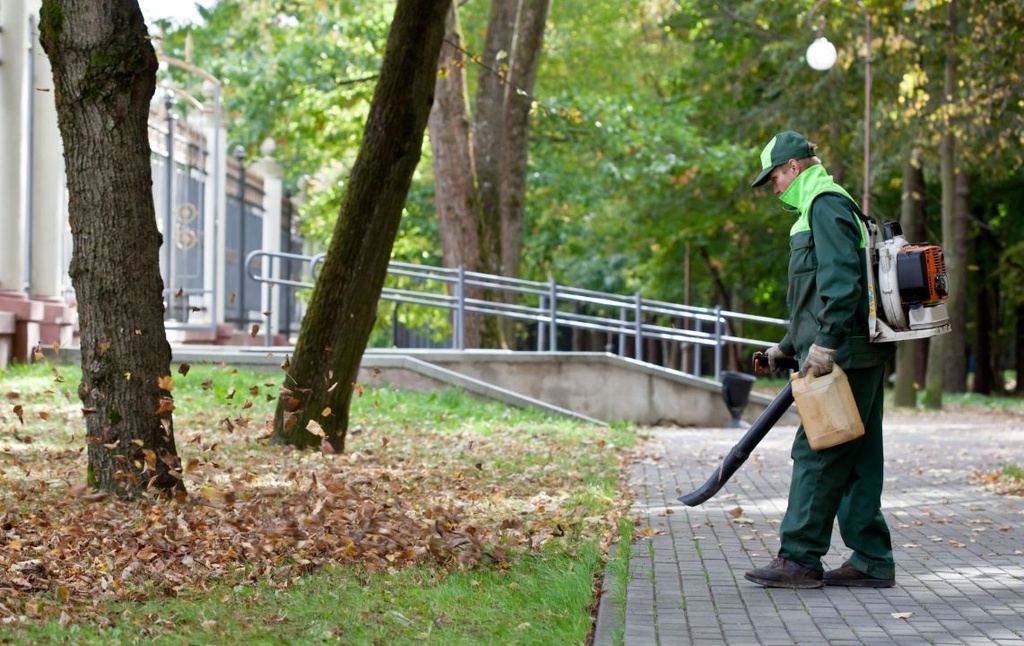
828, 325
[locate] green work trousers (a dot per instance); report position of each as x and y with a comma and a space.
845, 483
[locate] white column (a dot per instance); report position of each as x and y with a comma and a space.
273, 186
49, 214
215, 202
14, 129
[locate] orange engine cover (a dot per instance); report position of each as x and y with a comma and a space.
921, 275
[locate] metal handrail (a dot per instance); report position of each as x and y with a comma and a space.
445, 288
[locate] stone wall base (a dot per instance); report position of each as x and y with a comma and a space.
27, 323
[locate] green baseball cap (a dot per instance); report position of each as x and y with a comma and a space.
783, 147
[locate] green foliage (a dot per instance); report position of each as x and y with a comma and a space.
51, 20
1013, 471
647, 121
300, 73
622, 177
595, 161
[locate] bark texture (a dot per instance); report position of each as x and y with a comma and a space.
938, 346
954, 246
486, 180
522, 78
458, 207
343, 305
489, 128
1018, 358
104, 71
910, 354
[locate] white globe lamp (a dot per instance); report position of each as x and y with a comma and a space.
821, 54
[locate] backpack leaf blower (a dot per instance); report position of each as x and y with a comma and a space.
908, 281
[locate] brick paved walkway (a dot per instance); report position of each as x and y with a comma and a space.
959, 547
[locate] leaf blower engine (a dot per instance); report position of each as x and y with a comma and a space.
908, 288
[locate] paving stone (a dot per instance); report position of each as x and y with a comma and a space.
688, 585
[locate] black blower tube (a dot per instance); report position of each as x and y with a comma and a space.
739, 453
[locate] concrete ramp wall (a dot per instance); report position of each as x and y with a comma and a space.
600, 386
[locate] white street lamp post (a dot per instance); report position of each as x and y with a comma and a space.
821, 56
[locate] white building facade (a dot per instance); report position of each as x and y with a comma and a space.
210, 223
34, 307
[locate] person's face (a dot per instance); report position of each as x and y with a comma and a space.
782, 176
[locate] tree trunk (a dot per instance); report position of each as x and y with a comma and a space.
518, 101
988, 249
986, 354
493, 166
1018, 360
489, 128
456, 199
318, 390
909, 354
104, 70
937, 347
488, 146
954, 379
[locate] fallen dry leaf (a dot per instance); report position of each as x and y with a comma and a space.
314, 427
398, 496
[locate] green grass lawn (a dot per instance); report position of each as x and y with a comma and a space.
448, 520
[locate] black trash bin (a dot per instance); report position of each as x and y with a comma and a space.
736, 387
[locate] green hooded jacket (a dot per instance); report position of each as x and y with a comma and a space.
827, 294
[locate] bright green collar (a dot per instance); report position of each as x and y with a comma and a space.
808, 185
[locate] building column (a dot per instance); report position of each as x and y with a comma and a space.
19, 316
51, 242
14, 127
215, 201
273, 192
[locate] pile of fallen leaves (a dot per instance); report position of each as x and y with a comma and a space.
1000, 482
399, 496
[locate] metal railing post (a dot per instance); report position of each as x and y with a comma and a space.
243, 315
699, 325
542, 306
267, 314
460, 309
553, 314
622, 333
718, 342
638, 328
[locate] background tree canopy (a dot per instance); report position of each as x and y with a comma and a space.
647, 119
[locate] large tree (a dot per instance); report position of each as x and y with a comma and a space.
104, 70
480, 157
946, 349
343, 305
910, 355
